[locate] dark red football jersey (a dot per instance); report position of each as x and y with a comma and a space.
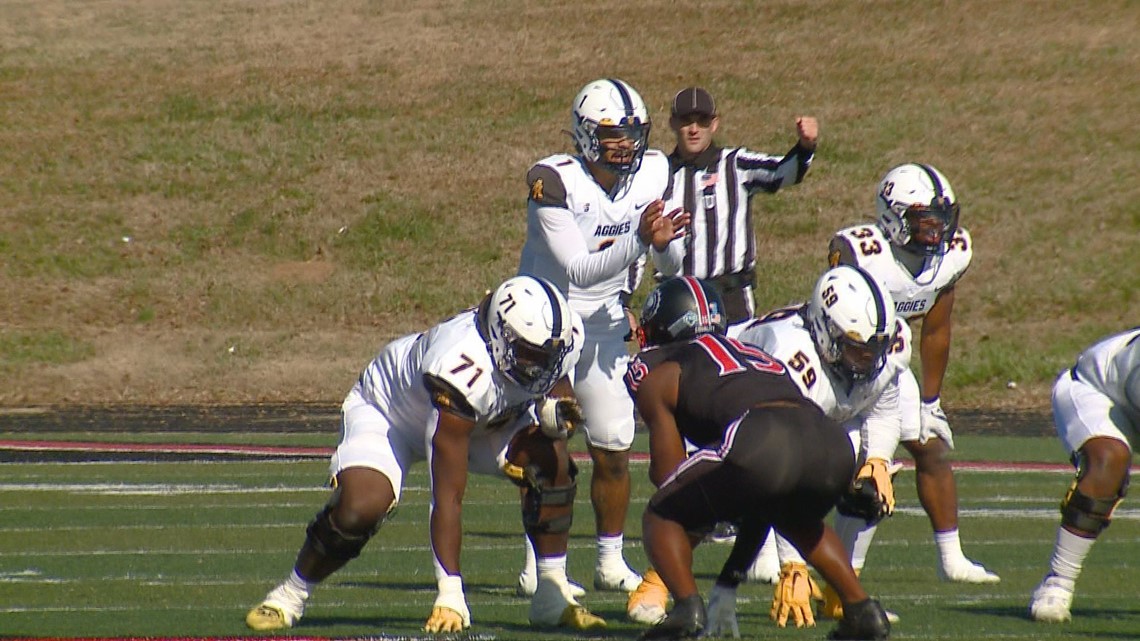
721, 378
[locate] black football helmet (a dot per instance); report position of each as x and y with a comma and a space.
679, 309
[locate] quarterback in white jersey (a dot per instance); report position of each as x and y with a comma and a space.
591, 219
1096, 410
464, 396
917, 251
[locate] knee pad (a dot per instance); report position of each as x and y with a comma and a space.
540, 493
533, 463
1085, 513
331, 542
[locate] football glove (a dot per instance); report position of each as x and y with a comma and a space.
878, 472
722, 613
933, 423
450, 613
793, 596
559, 417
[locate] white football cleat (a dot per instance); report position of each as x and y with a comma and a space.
528, 583
553, 606
279, 610
616, 577
1051, 600
966, 571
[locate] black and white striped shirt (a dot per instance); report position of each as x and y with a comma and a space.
716, 188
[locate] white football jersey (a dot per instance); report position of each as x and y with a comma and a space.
871, 404
454, 352
867, 247
571, 220
1112, 366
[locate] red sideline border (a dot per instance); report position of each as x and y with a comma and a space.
285, 452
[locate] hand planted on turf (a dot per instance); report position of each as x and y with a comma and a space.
793, 596
450, 613
722, 613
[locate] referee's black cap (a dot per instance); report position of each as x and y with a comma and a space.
693, 100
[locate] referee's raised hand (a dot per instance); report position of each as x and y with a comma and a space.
808, 129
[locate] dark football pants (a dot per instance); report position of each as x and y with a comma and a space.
780, 465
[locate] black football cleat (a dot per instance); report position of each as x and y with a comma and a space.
685, 621
862, 621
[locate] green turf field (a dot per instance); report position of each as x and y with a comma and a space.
184, 549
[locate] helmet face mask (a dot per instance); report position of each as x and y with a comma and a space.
852, 321
610, 126
918, 211
679, 309
530, 332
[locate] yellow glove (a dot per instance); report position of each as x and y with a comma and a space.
444, 620
450, 613
793, 596
877, 470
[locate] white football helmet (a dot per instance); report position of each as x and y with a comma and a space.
530, 330
852, 320
917, 209
618, 109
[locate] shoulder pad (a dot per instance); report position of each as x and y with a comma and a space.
446, 398
840, 252
458, 356
900, 350
546, 187
959, 253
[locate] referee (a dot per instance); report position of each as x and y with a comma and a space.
715, 184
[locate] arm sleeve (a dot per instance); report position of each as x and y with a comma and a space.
761, 172
583, 268
882, 424
671, 261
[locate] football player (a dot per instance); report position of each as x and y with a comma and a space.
591, 219
464, 396
739, 406
918, 252
845, 349
1096, 410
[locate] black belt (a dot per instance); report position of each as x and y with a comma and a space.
730, 282
1073, 373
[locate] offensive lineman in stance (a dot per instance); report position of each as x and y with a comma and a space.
769, 457
463, 395
1096, 409
846, 350
918, 252
591, 219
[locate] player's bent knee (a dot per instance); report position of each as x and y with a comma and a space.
546, 473
1087, 514
333, 542
612, 464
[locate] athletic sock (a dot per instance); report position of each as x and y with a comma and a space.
553, 567
609, 549
950, 547
529, 564
1069, 554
